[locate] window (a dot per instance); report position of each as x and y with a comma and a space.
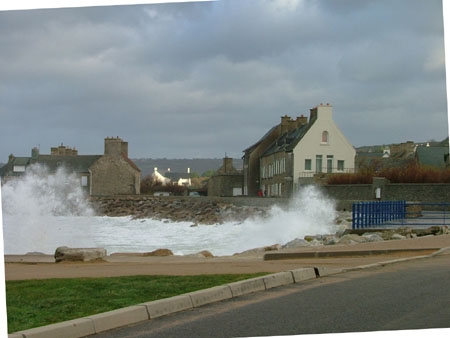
318, 163
325, 137
329, 163
308, 164
19, 168
340, 165
84, 181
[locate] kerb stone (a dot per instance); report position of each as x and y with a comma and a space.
214, 294
303, 274
247, 286
69, 329
118, 318
167, 306
278, 279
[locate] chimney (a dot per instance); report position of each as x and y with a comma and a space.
301, 121
34, 153
285, 123
322, 111
227, 166
116, 146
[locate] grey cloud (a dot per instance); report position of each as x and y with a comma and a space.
193, 79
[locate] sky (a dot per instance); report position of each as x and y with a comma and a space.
209, 79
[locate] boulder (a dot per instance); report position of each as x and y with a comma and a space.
351, 239
204, 253
373, 237
298, 242
433, 230
64, 253
159, 253
397, 236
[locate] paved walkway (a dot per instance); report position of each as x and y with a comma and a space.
336, 256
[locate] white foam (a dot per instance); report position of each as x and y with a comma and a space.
42, 211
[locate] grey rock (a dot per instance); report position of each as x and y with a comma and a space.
298, 242
373, 237
64, 253
351, 239
397, 236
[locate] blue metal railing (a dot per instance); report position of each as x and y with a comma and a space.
381, 214
374, 213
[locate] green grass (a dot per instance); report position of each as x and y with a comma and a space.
34, 303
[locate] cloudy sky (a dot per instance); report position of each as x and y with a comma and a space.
201, 79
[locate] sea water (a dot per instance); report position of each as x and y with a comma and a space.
43, 211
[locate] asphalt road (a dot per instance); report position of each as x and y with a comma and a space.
402, 296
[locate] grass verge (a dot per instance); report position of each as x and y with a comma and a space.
34, 303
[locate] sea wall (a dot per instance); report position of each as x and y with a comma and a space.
213, 210
198, 210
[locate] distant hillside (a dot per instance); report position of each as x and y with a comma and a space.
196, 165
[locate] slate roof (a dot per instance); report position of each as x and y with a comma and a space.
174, 176
288, 141
78, 164
252, 147
432, 156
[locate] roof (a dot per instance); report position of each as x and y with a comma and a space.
174, 176
432, 156
79, 163
288, 141
250, 149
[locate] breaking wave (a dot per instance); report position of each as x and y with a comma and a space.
43, 210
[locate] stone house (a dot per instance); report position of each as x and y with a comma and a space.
112, 173
227, 180
299, 150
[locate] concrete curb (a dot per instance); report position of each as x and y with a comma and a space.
130, 315
323, 254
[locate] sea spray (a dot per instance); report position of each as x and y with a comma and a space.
40, 193
43, 210
310, 212
39, 203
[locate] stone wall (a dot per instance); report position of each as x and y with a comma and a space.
433, 193
198, 210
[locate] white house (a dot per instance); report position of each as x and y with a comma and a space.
304, 149
158, 177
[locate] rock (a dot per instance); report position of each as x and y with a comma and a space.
397, 236
159, 253
64, 253
315, 242
206, 253
310, 238
351, 239
330, 240
433, 230
341, 229
298, 242
373, 237
272, 247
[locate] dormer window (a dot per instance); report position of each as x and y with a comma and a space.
325, 137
